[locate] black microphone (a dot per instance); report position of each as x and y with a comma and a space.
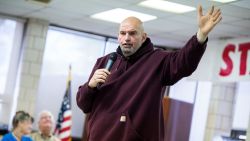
108, 66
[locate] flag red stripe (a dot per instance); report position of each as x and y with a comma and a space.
66, 118
64, 121
66, 139
65, 129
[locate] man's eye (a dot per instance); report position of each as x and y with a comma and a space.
132, 33
122, 33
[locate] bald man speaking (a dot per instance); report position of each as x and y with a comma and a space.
128, 104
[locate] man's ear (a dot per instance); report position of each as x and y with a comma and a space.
144, 37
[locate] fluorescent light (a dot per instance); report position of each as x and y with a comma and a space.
167, 6
224, 1
242, 137
118, 15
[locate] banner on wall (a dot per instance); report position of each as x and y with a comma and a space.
225, 60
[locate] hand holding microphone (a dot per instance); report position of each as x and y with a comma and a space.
101, 75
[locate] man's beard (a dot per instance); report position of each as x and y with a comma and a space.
128, 51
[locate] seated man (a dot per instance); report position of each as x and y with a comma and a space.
45, 125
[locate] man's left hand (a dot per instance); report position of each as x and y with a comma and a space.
207, 22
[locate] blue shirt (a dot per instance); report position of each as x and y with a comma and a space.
10, 137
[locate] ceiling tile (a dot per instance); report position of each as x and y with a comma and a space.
165, 25
229, 19
169, 29
165, 42
242, 3
235, 11
242, 23
79, 6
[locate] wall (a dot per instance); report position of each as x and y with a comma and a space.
242, 106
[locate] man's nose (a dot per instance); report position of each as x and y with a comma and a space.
127, 37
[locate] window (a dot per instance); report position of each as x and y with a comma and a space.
63, 48
11, 31
111, 46
7, 35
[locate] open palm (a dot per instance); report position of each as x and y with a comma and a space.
207, 22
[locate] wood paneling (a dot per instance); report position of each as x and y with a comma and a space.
178, 120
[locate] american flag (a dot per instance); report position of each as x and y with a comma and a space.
64, 121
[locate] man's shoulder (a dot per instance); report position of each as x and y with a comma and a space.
105, 56
103, 59
55, 138
36, 133
161, 53
37, 136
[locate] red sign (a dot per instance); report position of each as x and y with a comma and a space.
231, 48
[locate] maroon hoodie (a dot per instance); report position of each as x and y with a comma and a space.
128, 106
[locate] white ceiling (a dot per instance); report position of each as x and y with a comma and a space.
169, 30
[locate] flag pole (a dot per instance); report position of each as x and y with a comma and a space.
64, 121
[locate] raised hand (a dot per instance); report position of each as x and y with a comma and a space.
208, 21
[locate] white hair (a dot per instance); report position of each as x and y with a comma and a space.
48, 113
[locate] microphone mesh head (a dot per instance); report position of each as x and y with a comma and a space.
113, 56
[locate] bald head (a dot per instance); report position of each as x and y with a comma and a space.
133, 21
131, 35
